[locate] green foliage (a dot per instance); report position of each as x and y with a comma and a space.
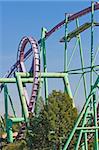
52, 127
15, 127
21, 145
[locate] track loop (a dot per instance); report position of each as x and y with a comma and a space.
35, 69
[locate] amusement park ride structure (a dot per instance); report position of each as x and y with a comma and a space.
86, 125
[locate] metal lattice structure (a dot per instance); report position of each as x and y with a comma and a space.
86, 125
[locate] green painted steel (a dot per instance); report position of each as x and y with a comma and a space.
81, 130
96, 53
67, 87
43, 50
77, 86
82, 59
7, 120
89, 111
95, 121
9, 99
92, 48
65, 49
6, 110
10, 132
81, 115
90, 106
77, 31
18, 80
17, 120
27, 77
74, 49
22, 96
38, 107
6, 101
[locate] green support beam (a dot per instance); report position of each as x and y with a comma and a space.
85, 107
96, 144
7, 120
22, 96
65, 49
43, 51
82, 59
92, 46
67, 87
10, 132
90, 107
38, 101
77, 31
17, 120
28, 79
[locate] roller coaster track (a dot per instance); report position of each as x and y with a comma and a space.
57, 27
35, 70
36, 61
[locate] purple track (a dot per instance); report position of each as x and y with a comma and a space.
57, 27
36, 69
36, 59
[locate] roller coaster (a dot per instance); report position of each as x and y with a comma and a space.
87, 123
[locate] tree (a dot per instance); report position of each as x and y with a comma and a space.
19, 145
51, 128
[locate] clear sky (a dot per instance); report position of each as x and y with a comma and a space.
20, 18
27, 18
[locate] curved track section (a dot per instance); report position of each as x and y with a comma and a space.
54, 29
36, 60
36, 69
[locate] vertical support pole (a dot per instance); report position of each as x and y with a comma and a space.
83, 147
43, 50
85, 107
6, 104
22, 96
8, 122
65, 49
85, 139
67, 87
85, 88
12, 106
82, 59
95, 121
77, 123
10, 133
81, 132
74, 49
6, 109
92, 33
91, 52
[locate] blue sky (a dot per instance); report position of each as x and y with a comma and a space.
26, 18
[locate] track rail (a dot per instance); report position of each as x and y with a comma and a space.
35, 70
57, 27
36, 61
